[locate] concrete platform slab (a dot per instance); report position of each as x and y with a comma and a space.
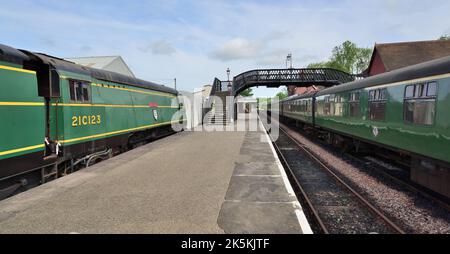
191, 182
243, 218
256, 168
258, 189
259, 198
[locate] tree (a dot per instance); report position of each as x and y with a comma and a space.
262, 103
445, 37
247, 93
347, 57
282, 95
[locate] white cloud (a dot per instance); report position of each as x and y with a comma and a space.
162, 47
238, 48
196, 41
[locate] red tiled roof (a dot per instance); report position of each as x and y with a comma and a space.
398, 55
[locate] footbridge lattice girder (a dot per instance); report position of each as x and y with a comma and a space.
285, 77
275, 78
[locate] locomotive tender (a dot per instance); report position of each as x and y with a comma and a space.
405, 112
55, 114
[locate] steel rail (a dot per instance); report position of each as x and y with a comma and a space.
384, 171
314, 212
364, 201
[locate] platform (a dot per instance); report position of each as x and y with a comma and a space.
190, 182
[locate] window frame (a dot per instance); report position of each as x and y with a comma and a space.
327, 105
379, 95
415, 98
354, 99
84, 86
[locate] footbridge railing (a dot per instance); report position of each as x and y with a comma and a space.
286, 77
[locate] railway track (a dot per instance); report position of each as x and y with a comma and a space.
334, 206
388, 169
401, 179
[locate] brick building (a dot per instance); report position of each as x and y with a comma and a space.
391, 56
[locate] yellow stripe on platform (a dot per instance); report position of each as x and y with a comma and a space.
21, 149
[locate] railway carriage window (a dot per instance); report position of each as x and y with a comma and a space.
327, 106
377, 104
79, 91
338, 108
432, 87
319, 107
354, 109
409, 91
86, 95
333, 107
372, 95
421, 107
55, 84
420, 90
382, 94
354, 106
72, 91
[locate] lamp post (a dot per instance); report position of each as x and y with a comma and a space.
289, 61
229, 84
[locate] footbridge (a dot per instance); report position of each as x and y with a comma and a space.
289, 77
272, 78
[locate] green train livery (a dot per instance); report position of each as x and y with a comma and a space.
406, 111
56, 114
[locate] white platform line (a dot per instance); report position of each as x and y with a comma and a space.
294, 203
304, 225
274, 176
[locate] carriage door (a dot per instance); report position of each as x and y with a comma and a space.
52, 115
48, 81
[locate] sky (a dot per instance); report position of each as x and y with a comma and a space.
196, 41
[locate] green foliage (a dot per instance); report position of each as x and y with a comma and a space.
247, 93
263, 102
347, 57
282, 95
445, 37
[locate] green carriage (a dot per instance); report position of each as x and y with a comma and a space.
55, 113
406, 111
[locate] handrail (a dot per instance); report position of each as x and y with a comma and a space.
278, 77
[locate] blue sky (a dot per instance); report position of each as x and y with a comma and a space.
196, 41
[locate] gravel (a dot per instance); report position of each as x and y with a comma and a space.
339, 210
416, 213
